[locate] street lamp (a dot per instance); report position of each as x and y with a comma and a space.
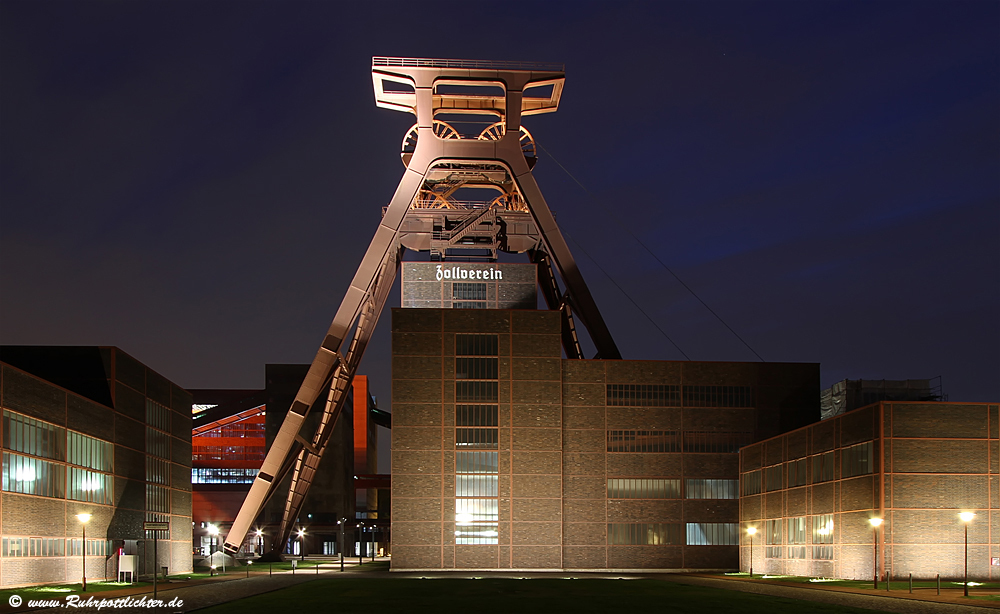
361, 543
340, 525
84, 518
302, 544
214, 532
966, 518
260, 541
751, 532
875, 522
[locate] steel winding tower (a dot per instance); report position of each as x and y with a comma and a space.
467, 142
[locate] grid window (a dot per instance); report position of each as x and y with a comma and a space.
643, 488
796, 531
643, 395
157, 415
90, 486
774, 552
476, 345
796, 552
823, 467
772, 532
32, 546
857, 460
750, 483
718, 396
157, 499
476, 521
89, 452
710, 489
157, 470
475, 391
476, 368
34, 437
822, 529
476, 533
643, 441
772, 478
476, 485
644, 534
715, 442
712, 534
470, 305
206, 475
33, 476
822, 553
476, 462
468, 292
157, 443
476, 438
475, 415
95, 547
797, 475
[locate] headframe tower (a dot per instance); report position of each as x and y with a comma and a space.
438, 207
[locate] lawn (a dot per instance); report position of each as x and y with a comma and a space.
58, 591
489, 595
896, 585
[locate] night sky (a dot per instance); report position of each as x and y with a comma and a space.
196, 182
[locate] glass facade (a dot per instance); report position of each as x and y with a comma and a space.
645, 534
476, 478
712, 534
643, 488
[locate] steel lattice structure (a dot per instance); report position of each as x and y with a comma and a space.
430, 211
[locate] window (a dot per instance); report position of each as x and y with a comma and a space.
476, 521
643, 441
157, 415
772, 532
643, 488
822, 553
772, 478
712, 534
643, 395
750, 483
468, 292
715, 442
157, 499
476, 438
33, 476
157, 443
796, 552
718, 396
475, 462
90, 486
32, 546
475, 391
797, 473
644, 534
206, 475
470, 305
157, 470
34, 437
89, 452
774, 552
475, 415
710, 489
95, 547
856, 460
823, 469
796, 531
822, 529
476, 368
476, 345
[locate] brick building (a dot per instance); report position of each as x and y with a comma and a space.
90, 430
811, 492
507, 456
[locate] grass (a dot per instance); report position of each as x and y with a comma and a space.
499, 595
896, 585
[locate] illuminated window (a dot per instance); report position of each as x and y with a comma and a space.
710, 489
796, 531
712, 534
822, 529
89, 452
475, 438
32, 546
90, 486
823, 467
822, 553
644, 534
643, 488
772, 532
205, 475
30, 436
33, 476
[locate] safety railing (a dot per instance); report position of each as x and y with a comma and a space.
483, 64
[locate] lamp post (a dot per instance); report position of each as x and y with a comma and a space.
361, 543
340, 525
751, 531
875, 522
966, 518
84, 518
260, 541
213, 531
302, 544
